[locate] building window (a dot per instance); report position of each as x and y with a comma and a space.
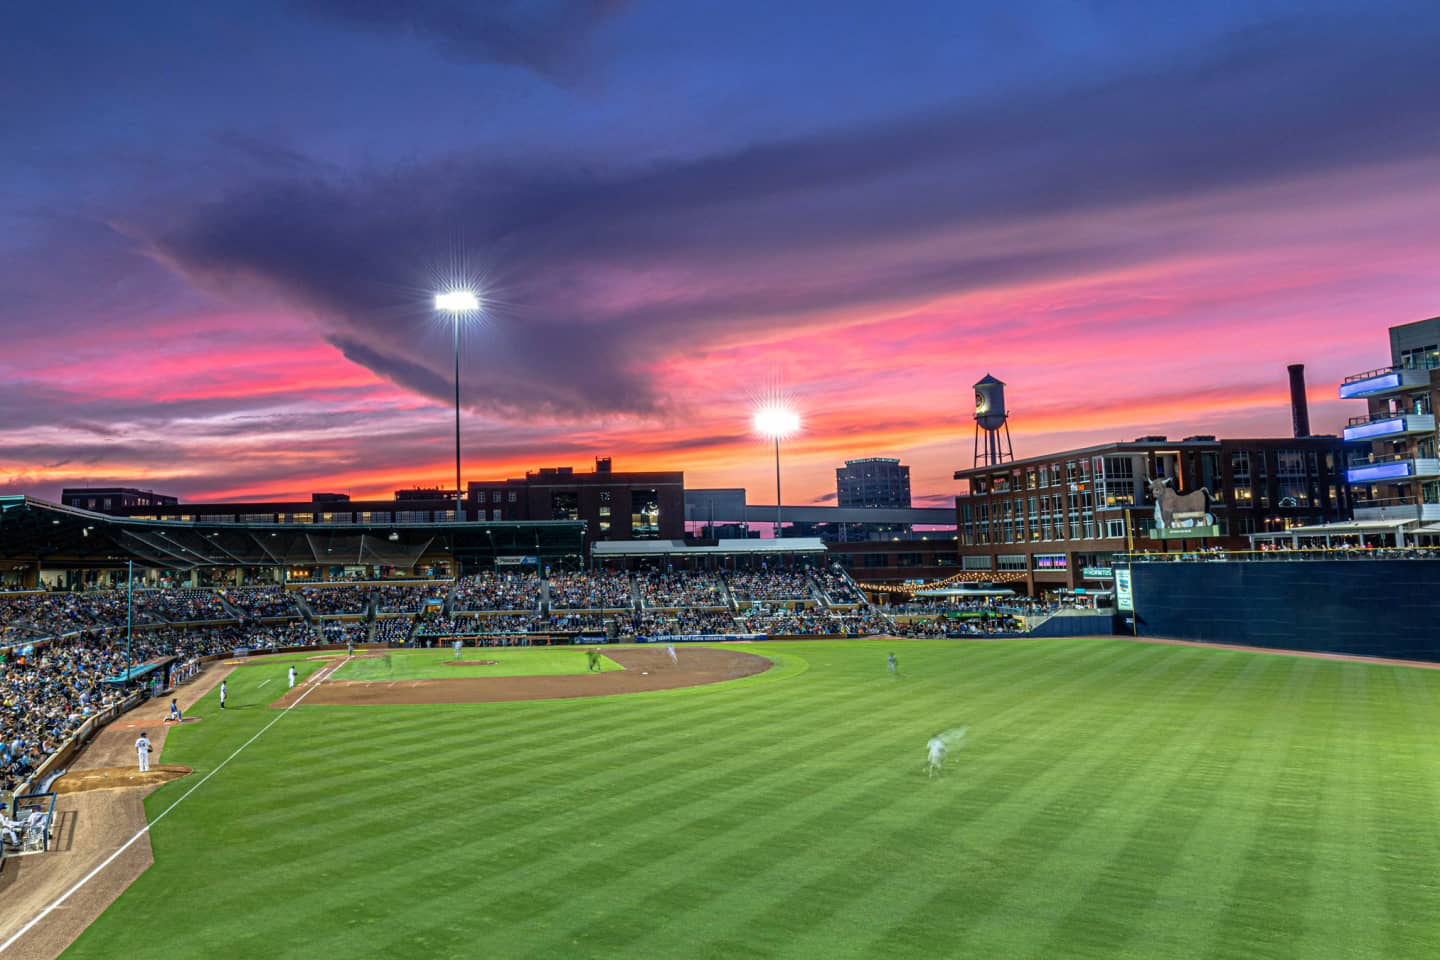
1050, 561
495, 497
644, 514
970, 562
1114, 529
1011, 561
564, 506
512, 496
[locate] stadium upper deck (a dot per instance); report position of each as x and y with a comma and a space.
35, 532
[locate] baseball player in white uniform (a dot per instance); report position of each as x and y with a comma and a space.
143, 748
7, 830
674, 657
222, 694
292, 676
936, 749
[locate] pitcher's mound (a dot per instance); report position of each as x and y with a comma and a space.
108, 777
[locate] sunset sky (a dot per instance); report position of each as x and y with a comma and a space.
222, 226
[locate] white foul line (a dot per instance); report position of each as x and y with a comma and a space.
146, 829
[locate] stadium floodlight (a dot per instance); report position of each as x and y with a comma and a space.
776, 421
457, 303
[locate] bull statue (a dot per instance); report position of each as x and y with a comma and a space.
1174, 509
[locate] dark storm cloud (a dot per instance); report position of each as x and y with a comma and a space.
546, 37
610, 273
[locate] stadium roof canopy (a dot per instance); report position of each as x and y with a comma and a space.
34, 530
725, 548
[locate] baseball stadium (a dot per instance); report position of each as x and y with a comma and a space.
244, 741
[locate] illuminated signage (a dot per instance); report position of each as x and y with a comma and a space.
1359, 388
1096, 573
1395, 470
1376, 428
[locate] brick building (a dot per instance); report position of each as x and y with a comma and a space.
1058, 518
615, 506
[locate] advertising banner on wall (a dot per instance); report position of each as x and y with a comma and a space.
1124, 599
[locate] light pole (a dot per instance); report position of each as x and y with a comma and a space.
129, 615
776, 422
457, 303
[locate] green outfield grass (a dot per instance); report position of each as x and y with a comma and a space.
510, 662
1114, 799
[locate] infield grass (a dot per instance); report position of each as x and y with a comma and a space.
509, 662
1113, 799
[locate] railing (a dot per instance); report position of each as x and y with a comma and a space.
1368, 460
1381, 502
1424, 363
1377, 417
1283, 554
1368, 374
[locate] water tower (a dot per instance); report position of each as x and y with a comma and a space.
992, 418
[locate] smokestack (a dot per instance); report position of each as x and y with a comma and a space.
1299, 406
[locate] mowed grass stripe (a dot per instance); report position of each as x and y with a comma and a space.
1257, 916
1345, 915
1147, 827
1406, 834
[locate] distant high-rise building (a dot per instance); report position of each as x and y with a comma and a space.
873, 482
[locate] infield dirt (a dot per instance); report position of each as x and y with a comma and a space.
645, 669
101, 805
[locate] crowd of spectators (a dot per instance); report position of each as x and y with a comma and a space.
497, 591
408, 598
393, 629
770, 585
48, 689
184, 605
59, 614
337, 601
344, 631
590, 591
942, 627
815, 622
676, 623
690, 589
837, 586
263, 603
15, 612
438, 626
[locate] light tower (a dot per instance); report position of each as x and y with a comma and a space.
992, 418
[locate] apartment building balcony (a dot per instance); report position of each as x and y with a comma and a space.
1388, 425
1382, 469
1384, 381
1396, 508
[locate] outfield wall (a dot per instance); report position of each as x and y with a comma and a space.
1373, 608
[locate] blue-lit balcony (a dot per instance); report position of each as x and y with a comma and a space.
1386, 380
1384, 426
1392, 469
